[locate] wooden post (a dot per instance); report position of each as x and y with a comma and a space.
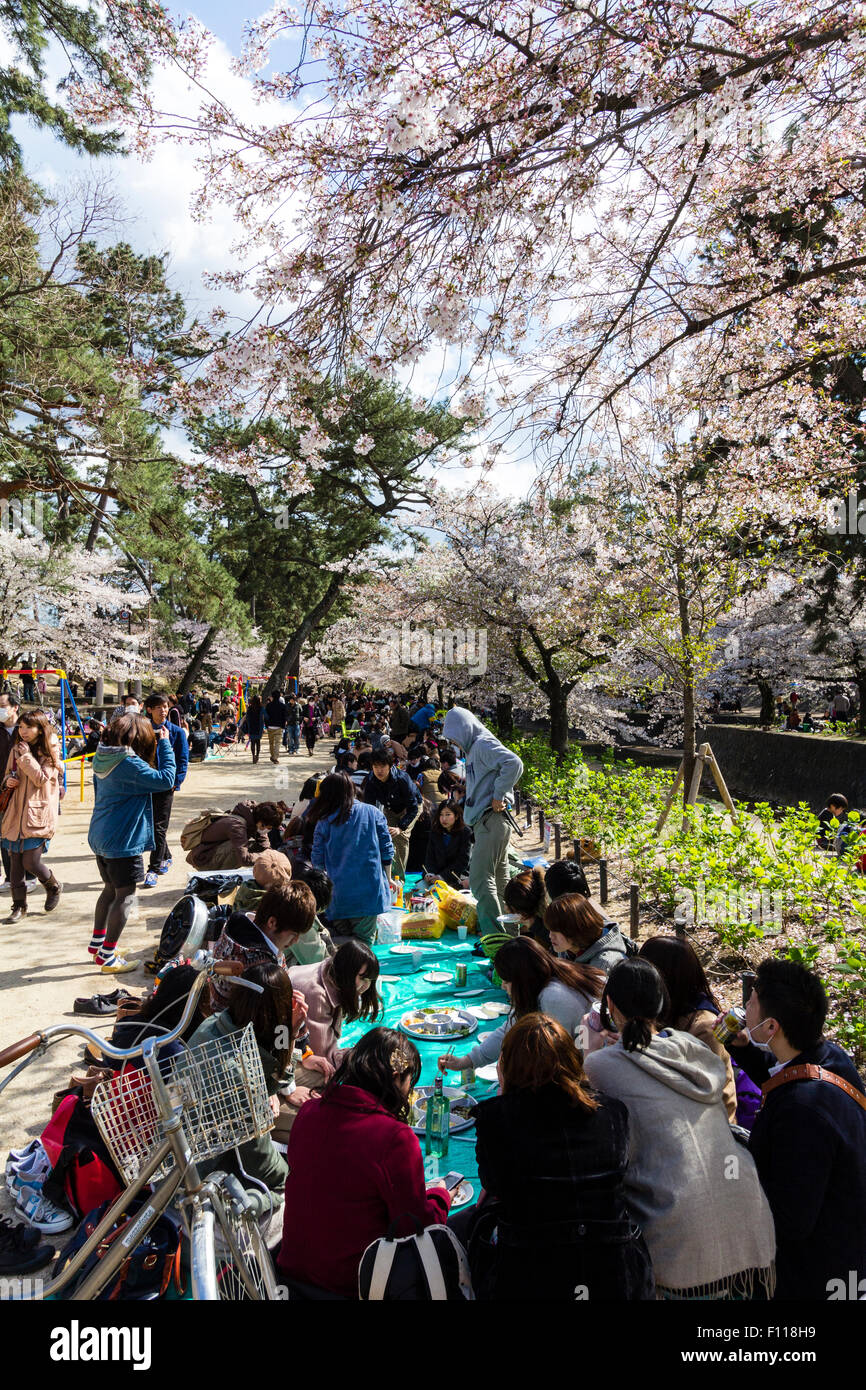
517, 800
575, 844
528, 814
541, 825
666, 809
633, 911
602, 880
697, 774
720, 782
557, 840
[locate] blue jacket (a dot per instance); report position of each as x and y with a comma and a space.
122, 821
355, 855
491, 768
180, 748
422, 718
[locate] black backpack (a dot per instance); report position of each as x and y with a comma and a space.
430, 1266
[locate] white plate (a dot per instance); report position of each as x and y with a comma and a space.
404, 949
463, 1195
438, 977
485, 1012
499, 1009
488, 1073
390, 979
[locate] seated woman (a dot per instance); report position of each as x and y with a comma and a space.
578, 932
692, 1006
709, 1236
535, 982
552, 1157
448, 847
340, 988
525, 894
274, 1021
355, 1168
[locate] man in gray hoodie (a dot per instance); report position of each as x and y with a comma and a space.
491, 772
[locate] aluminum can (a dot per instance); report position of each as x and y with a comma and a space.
460, 976
729, 1026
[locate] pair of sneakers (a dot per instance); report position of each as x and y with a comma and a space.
26, 1171
109, 959
152, 874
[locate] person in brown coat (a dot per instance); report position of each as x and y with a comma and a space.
234, 840
34, 773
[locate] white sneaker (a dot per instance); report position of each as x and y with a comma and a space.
31, 1169
41, 1213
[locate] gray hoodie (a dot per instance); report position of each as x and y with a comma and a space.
491, 768
607, 952
692, 1187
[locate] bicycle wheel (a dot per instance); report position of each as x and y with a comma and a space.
230, 1261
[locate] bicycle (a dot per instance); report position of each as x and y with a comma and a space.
159, 1122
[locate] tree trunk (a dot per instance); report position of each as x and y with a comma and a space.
688, 737
504, 716
99, 514
768, 704
860, 678
558, 701
288, 662
190, 675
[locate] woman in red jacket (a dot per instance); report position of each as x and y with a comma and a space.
355, 1167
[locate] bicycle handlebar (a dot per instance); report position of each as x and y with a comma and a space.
202, 961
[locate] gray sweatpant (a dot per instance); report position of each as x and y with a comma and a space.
488, 868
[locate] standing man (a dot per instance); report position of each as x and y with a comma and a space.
491, 772
156, 706
395, 794
399, 721
292, 737
275, 722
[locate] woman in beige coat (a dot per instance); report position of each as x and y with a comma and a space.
35, 775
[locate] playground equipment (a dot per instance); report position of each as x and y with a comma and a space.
65, 690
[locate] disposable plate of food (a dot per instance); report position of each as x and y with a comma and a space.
460, 1115
464, 1194
437, 977
439, 1024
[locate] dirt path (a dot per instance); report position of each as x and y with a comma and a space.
45, 964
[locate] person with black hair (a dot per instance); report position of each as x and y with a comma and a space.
352, 842
341, 988
830, 819
525, 894
398, 798
253, 725
693, 1189
157, 707
535, 982
693, 1007
448, 847
809, 1137
355, 1169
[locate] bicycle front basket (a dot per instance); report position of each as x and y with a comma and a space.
221, 1086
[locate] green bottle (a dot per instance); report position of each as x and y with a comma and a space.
438, 1121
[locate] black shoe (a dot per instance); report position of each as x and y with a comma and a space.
22, 1249
98, 1005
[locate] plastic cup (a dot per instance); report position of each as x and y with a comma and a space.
462, 931
417, 958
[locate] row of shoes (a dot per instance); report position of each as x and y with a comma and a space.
26, 1171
